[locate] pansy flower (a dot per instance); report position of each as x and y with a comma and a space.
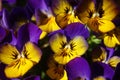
24, 55
78, 69
103, 55
68, 46
55, 70
98, 14
44, 17
64, 13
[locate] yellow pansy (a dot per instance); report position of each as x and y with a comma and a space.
46, 22
67, 50
56, 71
19, 63
98, 15
64, 13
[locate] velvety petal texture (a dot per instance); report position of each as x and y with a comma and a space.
102, 69
28, 32
78, 68
67, 50
8, 54
37, 4
64, 13
19, 63
76, 29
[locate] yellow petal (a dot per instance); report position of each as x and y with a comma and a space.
109, 41
50, 26
64, 19
18, 68
32, 52
56, 42
114, 61
74, 48
8, 54
105, 25
43, 34
84, 10
110, 9
79, 45
99, 78
61, 6
57, 73
116, 39
99, 54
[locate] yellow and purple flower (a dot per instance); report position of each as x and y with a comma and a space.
64, 13
68, 46
24, 55
98, 14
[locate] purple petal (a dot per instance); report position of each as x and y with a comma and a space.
13, 38
28, 32
10, 38
78, 68
117, 73
76, 29
2, 33
102, 69
110, 52
37, 4
58, 31
33, 78
4, 21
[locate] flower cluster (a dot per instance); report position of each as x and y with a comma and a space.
60, 40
